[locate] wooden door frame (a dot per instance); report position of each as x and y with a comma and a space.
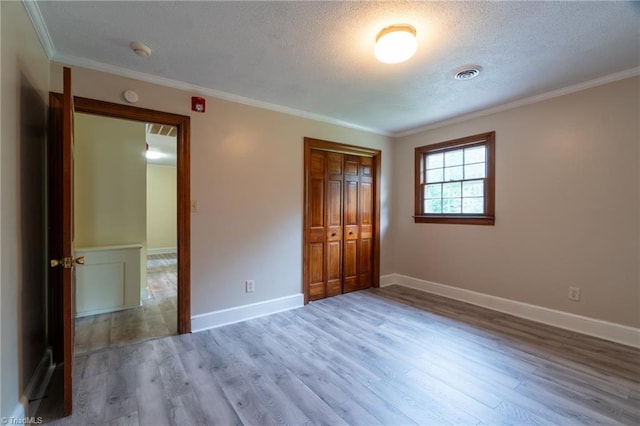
376, 155
183, 139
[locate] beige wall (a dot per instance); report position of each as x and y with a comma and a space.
567, 207
246, 174
24, 69
161, 207
110, 181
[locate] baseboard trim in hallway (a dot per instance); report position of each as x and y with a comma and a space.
618, 333
222, 317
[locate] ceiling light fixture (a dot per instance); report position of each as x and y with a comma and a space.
140, 49
154, 155
396, 43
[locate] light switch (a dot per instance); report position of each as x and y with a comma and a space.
194, 206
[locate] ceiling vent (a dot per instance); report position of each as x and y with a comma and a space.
467, 72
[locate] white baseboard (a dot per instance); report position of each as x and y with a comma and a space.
593, 327
387, 280
242, 313
161, 250
37, 385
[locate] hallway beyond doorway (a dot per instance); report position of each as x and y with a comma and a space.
156, 317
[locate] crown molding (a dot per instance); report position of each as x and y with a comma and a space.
188, 87
33, 11
610, 78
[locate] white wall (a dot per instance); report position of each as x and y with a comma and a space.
246, 174
110, 181
22, 62
567, 207
162, 219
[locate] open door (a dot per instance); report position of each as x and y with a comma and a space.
61, 273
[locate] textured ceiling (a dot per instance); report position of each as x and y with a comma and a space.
317, 57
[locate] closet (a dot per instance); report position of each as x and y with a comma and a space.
341, 228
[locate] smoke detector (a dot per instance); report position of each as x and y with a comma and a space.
140, 49
467, 72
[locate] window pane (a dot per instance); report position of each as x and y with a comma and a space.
474, 188
433, 206
473, 205
475, 171
453, 158
451, 205
453, 173
452, 190
435, 161
477, 154
435, 175
433, 191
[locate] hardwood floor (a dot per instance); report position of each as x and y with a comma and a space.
157, 317
391, 356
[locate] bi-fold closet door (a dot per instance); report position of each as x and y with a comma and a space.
340, 233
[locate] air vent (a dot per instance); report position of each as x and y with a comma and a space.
467, 72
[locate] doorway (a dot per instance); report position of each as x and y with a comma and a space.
182, 125
341, 218
125, 215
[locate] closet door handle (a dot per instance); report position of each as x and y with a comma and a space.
350, 232
333, 234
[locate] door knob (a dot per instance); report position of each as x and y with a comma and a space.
350, 232
333, 234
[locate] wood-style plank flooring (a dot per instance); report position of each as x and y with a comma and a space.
392, 356
157, 317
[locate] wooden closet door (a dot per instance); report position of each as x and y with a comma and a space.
316, 229
335, 178
365, 219
351, 225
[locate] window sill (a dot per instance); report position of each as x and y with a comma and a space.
456, 219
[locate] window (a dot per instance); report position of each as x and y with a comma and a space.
455, 181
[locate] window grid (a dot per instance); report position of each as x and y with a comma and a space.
454, 199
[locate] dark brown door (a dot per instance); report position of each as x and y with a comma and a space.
340, 223
61, 275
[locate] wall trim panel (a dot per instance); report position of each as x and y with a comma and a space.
162, 250
222, 317
618, 333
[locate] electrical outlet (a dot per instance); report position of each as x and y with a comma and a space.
249, 286
574, 294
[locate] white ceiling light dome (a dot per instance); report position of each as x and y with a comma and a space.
396, 43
